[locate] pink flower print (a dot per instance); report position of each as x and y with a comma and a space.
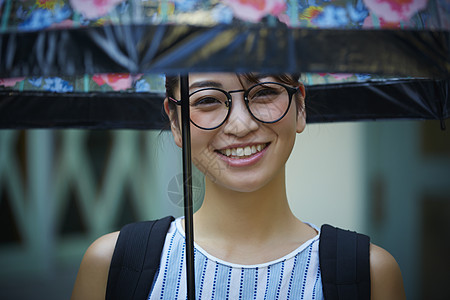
93, 9
117, 81
10, 81
337, 76
393, 11
341, 76
368, 23
255, 10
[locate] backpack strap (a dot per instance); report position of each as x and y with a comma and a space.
344, 264
136, 259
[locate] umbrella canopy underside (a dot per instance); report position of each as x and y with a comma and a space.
97, 64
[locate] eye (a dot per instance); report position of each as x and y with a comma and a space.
205, 101
208, 99
265, 92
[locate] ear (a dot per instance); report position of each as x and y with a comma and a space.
301, 114
174, 127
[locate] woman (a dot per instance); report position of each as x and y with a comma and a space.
249, 244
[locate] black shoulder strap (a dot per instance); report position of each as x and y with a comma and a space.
344, 264
136, 259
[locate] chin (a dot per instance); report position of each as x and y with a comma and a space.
241, 184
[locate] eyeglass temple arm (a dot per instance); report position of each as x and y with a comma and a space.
177, 102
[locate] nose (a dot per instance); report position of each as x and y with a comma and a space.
239, 122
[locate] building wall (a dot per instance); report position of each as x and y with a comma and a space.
388, 179
408, 174
325, 175
60, 190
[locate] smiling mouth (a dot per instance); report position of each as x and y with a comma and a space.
243, 152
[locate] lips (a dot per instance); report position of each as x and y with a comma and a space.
243, 152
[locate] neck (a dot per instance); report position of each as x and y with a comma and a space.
244, 216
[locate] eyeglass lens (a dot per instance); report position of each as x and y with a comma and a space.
267, 102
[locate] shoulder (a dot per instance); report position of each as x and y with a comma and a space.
385, 275
101, 250
92, 276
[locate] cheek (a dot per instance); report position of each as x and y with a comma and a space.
287, 131
201, 151
289, 123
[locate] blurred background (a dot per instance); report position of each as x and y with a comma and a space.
60, 190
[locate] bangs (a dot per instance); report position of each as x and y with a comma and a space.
289, 79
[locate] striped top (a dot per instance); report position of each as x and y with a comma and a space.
294, 276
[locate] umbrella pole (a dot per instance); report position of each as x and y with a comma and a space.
187, 186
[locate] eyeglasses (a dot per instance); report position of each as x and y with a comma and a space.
267, 102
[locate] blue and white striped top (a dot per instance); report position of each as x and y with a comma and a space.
294, 276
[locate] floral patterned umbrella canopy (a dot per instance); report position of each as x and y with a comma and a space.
361, 59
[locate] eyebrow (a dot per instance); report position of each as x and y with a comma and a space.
259, 76
206, 83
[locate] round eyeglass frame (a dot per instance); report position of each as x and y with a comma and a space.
291, 91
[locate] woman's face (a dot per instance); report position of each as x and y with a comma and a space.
243, 154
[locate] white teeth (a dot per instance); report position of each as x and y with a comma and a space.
246, 151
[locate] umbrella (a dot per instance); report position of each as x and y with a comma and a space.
65, 41
86, 64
